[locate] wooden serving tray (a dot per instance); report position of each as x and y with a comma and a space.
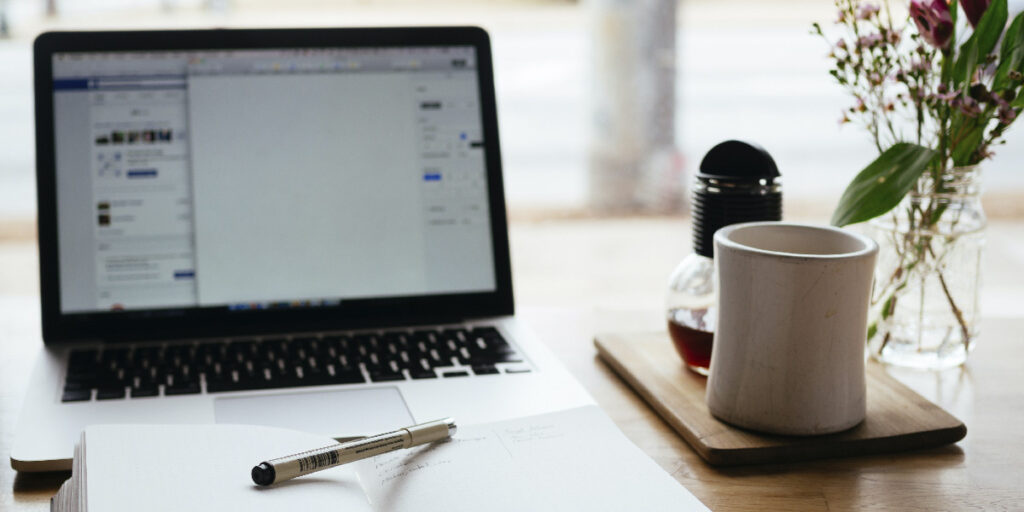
898, 419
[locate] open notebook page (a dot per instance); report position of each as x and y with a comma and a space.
570, 460
206, 467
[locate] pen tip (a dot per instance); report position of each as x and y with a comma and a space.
263, 474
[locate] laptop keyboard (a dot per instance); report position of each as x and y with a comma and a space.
247, 364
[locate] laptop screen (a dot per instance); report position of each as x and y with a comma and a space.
268, 178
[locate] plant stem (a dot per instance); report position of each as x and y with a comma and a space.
964, 330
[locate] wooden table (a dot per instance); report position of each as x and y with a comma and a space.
983, 472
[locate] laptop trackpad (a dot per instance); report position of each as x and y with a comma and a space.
356, 412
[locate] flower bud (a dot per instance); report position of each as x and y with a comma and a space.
979, 92
933, 21
974, 9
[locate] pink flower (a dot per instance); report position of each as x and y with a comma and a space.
1005, 112
974, 9
933, 21
867, 11
869, 41
917, 64
968, 106
1007, 115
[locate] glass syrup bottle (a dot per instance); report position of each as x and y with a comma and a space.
738, 182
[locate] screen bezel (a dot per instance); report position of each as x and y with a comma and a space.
219, 321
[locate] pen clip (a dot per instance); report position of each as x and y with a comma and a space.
347, 439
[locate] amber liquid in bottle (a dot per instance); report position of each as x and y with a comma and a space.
691, 337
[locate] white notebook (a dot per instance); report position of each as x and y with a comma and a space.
569, 460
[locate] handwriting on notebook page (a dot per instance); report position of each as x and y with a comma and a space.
531, 433
399, 465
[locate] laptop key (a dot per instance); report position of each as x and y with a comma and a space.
71, 385
342, 375
110, 393
183, 388
111, 379
81, 380
486, 369
235, 378
76, 395
144, 391
312, 372
422, 374
219, 385
386, 376
436, 359
455, 374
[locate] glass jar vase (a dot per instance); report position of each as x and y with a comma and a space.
925, 297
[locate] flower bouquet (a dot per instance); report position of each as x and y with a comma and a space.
935, 92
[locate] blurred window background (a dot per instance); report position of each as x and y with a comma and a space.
605, 106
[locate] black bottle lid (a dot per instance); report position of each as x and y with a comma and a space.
738, 182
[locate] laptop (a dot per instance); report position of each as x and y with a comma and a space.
301, 228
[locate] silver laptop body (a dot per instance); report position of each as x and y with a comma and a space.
302, 228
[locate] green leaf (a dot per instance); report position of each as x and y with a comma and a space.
981, 42
965, 64
990, 27
887, 307
882, 184
1011, 53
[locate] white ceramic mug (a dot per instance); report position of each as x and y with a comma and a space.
789, 352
